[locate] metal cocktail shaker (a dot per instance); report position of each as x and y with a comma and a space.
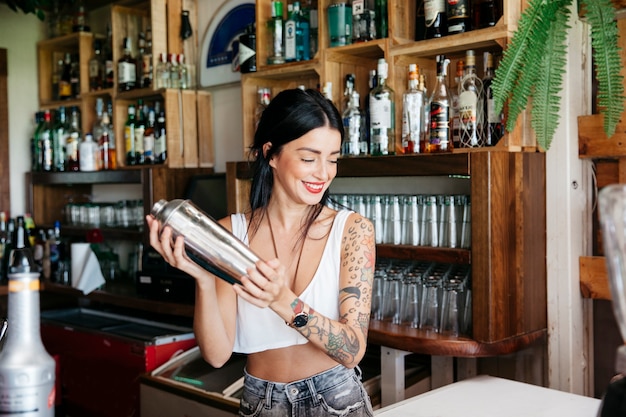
27, 371
207, 242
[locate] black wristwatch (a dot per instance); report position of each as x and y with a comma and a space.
299, 320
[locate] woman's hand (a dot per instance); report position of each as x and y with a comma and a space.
172, 250
264, 284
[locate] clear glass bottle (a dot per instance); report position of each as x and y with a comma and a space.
363, 21
382, 114
354, 126
493, 121
276, 52
347, 92
174, 72
129, 136
127, 68
470, 105
290, 34
454, 103
426, 126
183, 72
106, 144
412, 113
72, 152
163, 72
439, 135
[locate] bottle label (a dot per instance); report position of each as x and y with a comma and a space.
93, 69
129, 138
65, 89
358, 7
468, 101
245, 53
126, 72
380, 113
148, 145
139, 133
492, 116
432, 8
439, 123
290, 39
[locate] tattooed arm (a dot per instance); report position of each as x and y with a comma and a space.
345, 340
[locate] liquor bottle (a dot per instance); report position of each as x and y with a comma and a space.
354, 127
276, 53
160, 139
494, 121
420, 21
146, 80
73, 141
382, 25
303, 49
459, 16
96, 130
264, 96
80, 18
56, 253
88, 151
140, 129
56, 79
424, 138
3, 241
247, 49
363, 21
183, 72
382, 114
106, 143
174, 71
109, 70
129, 136
488, 13
96, 67
47, 143
412, 113
148, 139
59, 140
290, 34
141, 49
75, 77
127, 68
311, 11
35, 142
439, 136
8, 247
470, 105
163, 72
371, 82
65, 82
436, 18
20, 238
454, 103
347, 92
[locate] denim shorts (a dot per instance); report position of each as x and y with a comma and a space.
335, 392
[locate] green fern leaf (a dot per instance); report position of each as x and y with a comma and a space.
604, 36
518, 71
546, 98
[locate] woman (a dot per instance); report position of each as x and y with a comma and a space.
302, 316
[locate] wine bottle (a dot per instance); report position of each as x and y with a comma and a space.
459, 16
439, 138
436, 18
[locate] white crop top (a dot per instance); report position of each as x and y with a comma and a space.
260, 329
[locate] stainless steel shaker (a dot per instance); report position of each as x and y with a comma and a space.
207, 242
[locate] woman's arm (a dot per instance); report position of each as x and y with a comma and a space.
345, 339
215, 308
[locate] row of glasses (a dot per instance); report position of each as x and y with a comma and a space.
123, 214
437, 220
431, 296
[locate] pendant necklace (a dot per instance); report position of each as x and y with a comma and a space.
295, 276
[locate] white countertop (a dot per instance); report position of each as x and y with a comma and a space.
486, 396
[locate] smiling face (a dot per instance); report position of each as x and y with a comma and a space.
305, 167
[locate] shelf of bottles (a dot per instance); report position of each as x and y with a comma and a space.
403, 39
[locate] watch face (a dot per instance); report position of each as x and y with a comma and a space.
300, 319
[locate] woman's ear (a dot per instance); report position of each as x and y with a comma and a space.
266, 148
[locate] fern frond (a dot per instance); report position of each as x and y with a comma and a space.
546, 97
604, 36
524, 70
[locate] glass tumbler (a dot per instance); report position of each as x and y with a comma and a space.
429, 309
411, 294
392, 296
452, 306
410, 221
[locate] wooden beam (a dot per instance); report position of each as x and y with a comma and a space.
594, 281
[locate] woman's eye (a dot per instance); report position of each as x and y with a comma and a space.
333, 161
307, 160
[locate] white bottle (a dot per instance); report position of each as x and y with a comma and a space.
88, 154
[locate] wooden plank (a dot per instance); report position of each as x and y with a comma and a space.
593, 142
174, 120
594, 282
5, 172
174, 42
206, 152
190, 128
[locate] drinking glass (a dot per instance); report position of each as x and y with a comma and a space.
447, 222
429, 229
411, 294
429, 309
392, 296
378, 292
410, 221
452, 307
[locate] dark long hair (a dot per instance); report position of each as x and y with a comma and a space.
289, 116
